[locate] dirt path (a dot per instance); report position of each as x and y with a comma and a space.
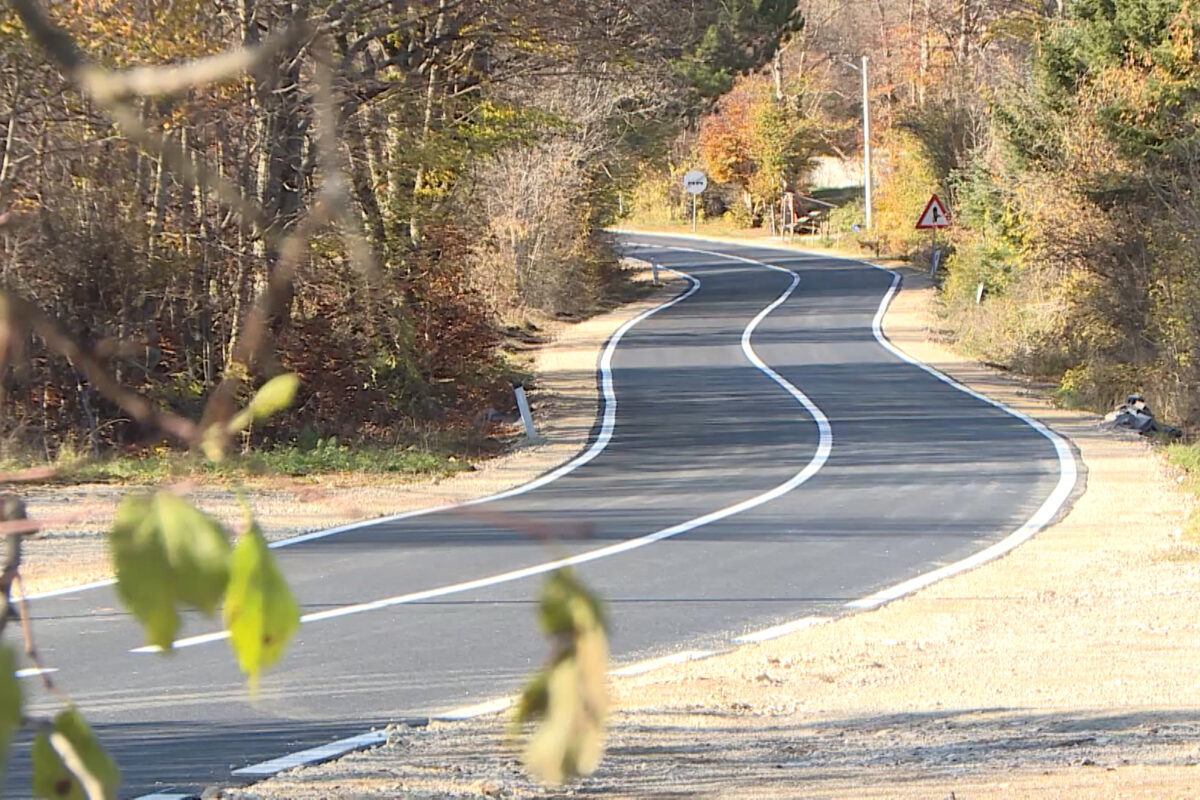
1067, 669
565, 407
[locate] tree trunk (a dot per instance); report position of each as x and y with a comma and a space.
414, 225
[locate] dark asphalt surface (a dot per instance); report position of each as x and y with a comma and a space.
920, 475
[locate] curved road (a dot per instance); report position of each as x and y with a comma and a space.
919, 474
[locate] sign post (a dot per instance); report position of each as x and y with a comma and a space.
694, 183
933, 217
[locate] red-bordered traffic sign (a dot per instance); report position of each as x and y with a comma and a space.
934, 215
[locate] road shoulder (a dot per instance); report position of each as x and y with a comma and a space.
1064, 669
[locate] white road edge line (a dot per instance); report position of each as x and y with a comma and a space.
1067, 475
642, 667
30, 672
313, 755
824, 446
166, 796
775, 632
1068, 470
608, 421
475, 710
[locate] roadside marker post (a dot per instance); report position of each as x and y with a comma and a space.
694, 183
933, 217
523, 407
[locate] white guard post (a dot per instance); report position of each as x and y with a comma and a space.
523, 407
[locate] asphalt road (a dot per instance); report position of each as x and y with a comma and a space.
919, 474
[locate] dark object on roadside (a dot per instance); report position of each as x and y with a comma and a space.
1135, 415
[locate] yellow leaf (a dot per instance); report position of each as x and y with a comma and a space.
259, 609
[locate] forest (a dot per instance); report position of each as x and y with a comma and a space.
485, 146
482, 145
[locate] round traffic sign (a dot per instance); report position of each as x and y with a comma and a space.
695, 182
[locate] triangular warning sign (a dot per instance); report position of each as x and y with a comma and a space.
934, 215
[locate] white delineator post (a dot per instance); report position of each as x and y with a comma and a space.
654, 272
523, 407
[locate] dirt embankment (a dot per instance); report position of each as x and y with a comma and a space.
1066, 669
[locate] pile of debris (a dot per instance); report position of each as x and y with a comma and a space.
1135, 415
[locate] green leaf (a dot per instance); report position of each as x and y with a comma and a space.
272, 397
59, 780
275, 395
167, 553
259, 609
197, 551
144, 580
10, 701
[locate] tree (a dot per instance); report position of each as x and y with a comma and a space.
758, 142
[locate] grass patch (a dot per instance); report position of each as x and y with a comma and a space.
326, 457
1187, 458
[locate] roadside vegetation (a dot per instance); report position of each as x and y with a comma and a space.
1062, 136
324, 458
1187, 458
480, 172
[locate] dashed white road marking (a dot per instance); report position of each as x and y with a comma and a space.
642, 667
775, 632
30, 672
476, 710
313, 755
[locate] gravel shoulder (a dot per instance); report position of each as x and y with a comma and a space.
1065, 669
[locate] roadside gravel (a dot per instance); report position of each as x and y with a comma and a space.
1066, 669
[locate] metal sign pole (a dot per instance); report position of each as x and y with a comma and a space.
694, 196
933, 255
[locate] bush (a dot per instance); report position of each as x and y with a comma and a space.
907, 179
738, 216
843, 218
1099, 386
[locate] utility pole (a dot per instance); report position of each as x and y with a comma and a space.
866, 108
866, 112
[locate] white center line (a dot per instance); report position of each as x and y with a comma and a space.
824, 447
